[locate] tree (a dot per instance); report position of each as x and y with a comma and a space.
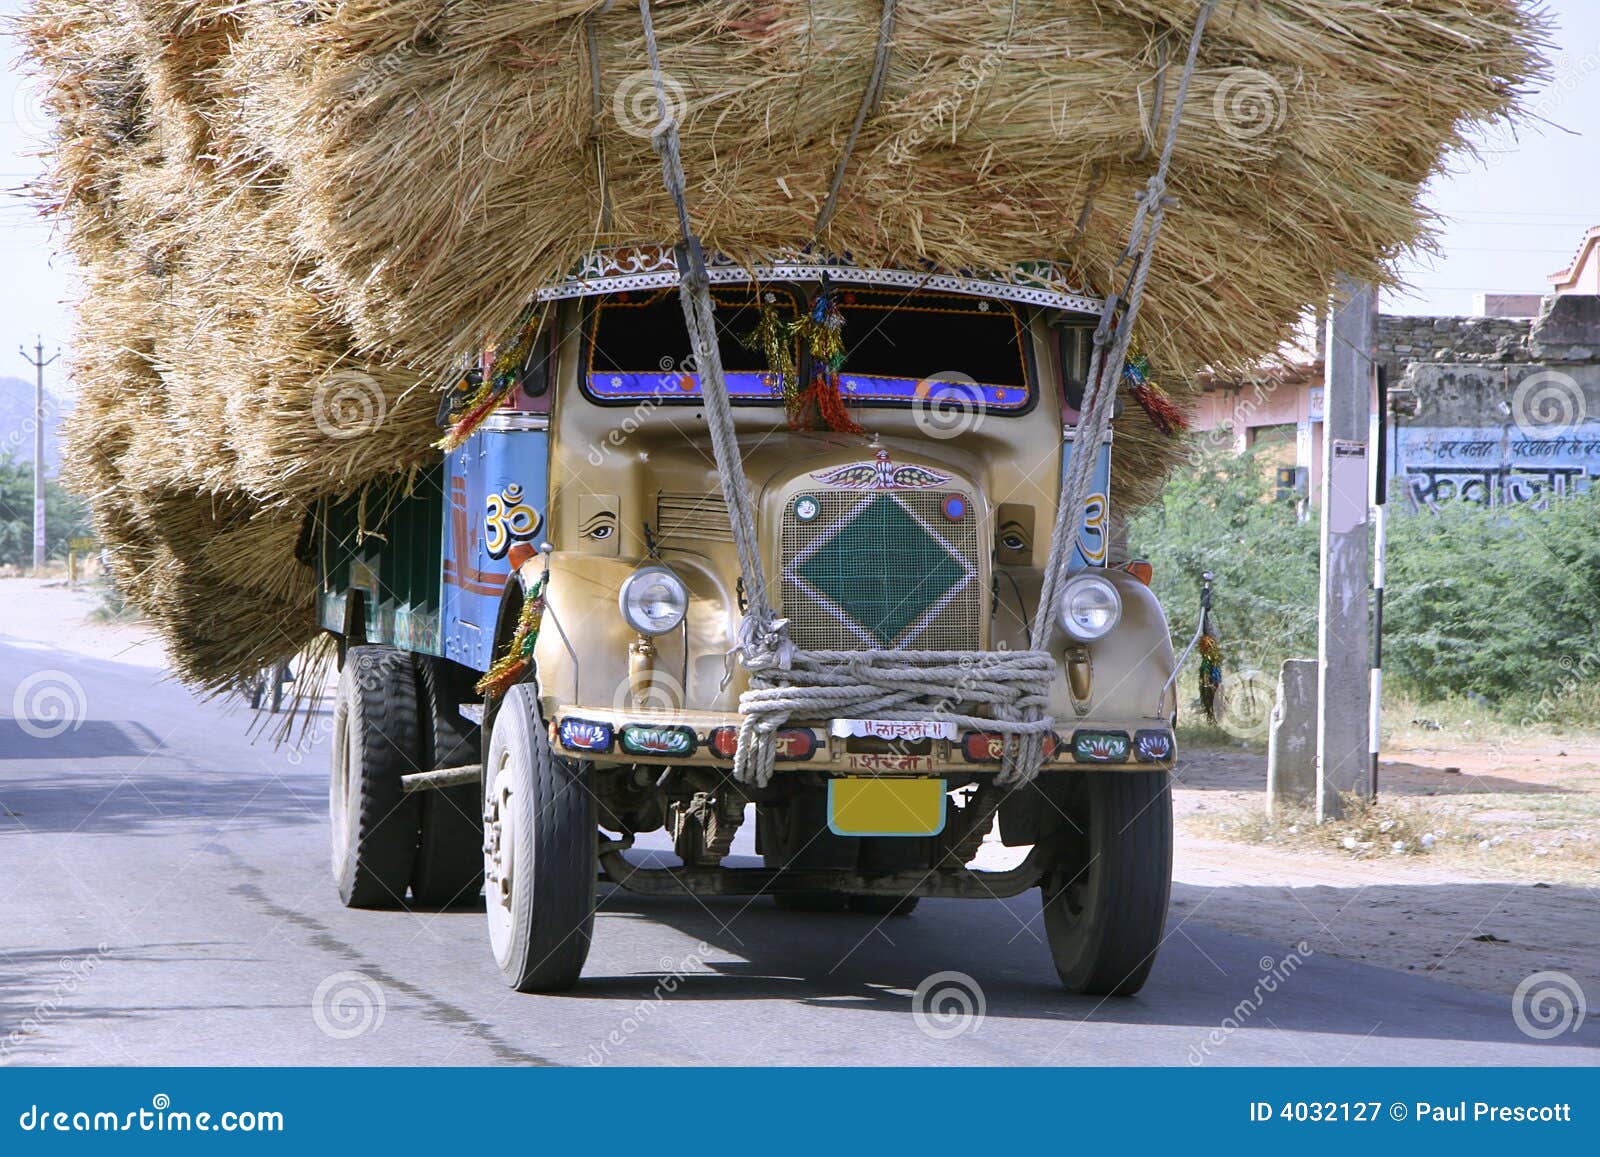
66, 517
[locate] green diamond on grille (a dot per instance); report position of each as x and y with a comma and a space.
883, 570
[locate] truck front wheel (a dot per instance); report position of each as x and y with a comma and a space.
1105, 898
539, 851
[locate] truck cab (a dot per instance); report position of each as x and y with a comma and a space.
583, 526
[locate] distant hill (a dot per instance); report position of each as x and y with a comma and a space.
16, 421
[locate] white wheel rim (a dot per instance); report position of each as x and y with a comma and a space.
339, 797
499, 861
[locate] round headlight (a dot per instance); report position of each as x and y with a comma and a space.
653, 600
1090, 608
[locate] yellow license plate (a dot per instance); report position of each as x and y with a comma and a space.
886, 807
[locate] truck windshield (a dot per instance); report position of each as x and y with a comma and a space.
900, 347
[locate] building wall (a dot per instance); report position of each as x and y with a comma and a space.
1520, 427
1509, 408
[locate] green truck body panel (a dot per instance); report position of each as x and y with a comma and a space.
389, 546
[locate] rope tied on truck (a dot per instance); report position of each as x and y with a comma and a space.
1012, 687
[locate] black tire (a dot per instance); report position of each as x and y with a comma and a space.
1105, 903
374, 823
539, 810
449, 866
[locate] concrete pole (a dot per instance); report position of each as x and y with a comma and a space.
38, 363
1343, 630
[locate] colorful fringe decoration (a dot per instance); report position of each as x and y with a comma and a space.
774, 337
1157, 404
487, 395
510, 668
1210, 674
822, 330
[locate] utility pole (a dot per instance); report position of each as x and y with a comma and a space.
1343, 631
38, 362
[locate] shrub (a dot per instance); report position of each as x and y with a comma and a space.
1500, 603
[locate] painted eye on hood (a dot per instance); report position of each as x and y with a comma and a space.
600, 526
1013, 541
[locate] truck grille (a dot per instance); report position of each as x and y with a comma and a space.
882, 571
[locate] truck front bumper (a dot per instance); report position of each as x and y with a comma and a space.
853, 747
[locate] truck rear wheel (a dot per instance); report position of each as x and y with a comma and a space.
1105, 900
539, 852
373, 823
449, 867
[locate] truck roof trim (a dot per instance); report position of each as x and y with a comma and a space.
625, 268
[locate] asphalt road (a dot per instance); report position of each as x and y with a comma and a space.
165, 899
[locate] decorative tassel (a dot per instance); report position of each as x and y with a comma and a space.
830, 405
774, 337
1210, 674
1157, 404
502, 379
510, 668
479, 405
823, 332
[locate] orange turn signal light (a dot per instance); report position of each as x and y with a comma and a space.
1141, 570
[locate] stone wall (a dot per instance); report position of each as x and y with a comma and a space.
1403, 340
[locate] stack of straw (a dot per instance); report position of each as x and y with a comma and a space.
294, 215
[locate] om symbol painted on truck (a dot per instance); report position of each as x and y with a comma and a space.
508, 519
1092, 535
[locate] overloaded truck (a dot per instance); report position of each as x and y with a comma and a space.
577, 547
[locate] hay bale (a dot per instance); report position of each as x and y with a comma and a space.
419, 138
292, 217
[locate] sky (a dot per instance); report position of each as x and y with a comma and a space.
1512, 217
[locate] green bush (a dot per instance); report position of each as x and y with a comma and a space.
1219, 515
1500, 603
1504, 603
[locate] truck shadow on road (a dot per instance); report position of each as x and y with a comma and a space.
1205, 980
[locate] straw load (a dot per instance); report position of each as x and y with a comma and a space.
294, 216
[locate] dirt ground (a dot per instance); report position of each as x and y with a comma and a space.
1478, 863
